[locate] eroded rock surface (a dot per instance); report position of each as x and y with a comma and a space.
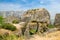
36, 19
5, 32
57, 20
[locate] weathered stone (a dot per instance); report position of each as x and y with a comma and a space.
20, 28
31, 28
5, 32
18, 32
57, 20
37, 15
10, 19
37, 19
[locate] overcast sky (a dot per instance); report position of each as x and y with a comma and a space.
53, 6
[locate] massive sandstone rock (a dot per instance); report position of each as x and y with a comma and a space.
36, 19
57, 20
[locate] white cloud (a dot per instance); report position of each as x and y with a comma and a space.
53, 7
41, 2
25, 1
4, 7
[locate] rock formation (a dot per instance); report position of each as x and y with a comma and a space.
36, 19
37, 15
10, 19
5, 32
57, 20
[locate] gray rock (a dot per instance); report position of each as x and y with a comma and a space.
36, 19
57, 20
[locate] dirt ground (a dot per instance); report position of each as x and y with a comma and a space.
50, 36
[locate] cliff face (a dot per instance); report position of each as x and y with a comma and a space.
36, 20
57, 20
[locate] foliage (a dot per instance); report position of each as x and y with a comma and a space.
1, 19
32, 31
8, 26
15, 21
50, 26
10, 37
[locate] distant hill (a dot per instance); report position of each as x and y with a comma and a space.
11, 13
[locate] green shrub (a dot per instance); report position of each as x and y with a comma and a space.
15, 21
8, 26
1, 19
50, 26
32, 31
10, 37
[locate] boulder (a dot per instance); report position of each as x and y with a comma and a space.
5, 32
37, 15
43, 27
18, 33
31, 28
57, 20
20, 28
36, 19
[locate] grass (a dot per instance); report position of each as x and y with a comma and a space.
10, 37
50, 26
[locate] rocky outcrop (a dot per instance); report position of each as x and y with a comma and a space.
20, 28
37, 15
57, 20
10, 19
5, 32
36, 19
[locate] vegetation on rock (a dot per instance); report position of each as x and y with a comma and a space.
50, 26
15, 21
8, 26
32, 31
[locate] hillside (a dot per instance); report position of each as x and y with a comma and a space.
33, 24
50, 36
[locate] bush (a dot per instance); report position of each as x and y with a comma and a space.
15, 21
50, 26
32, 31
10, 37
1, 19
8, 26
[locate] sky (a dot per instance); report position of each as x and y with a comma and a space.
53, 6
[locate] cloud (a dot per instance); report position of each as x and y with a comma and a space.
41, 2
54, 8
52, 5
8, 7
24, 0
